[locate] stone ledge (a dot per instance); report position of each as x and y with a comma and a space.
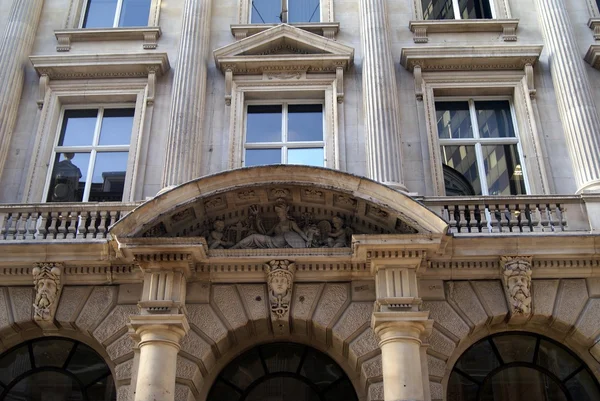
593, 56
594, 24
326, 29
149, 35
421, 28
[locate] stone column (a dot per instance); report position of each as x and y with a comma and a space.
400, 335
184, 142
578, 113
15, 49
380, 100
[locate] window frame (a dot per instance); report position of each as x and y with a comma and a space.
456, 9
284, 14
476, 141
116, 17
77, 10
500, 10
245, 13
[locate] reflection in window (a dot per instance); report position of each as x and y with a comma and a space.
284, 133
290, 11
478, 142
90, 158
116, 13
456, 9
520, 367
54, 369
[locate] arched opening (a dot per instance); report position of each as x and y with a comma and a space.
518, 366
54, 368
282, 372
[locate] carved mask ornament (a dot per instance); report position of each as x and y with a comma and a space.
517, 283
280, 278
46, 279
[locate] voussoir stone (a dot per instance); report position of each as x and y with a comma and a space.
572, 296
443, 314
332, 300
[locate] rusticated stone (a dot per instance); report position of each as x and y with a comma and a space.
492, 296
97, 307
227, 300
572, 295
437, 367
367, 342
115, 322
194, 345
122, 346
376, 392
356, 316
333, 299
440, 343
4, 312
206, 320
197, 293
123, 370
544, 296
124, 393
188, 370
587, 326
372, 369
71, 302
255, 298
129, 294
183, 393
444, 315
22, 305
303, 301
463, 296
437, 391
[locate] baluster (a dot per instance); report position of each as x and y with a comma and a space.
534, 218
544, 222
73, 222
554, 217
52, 232
62, 225
114, 216
495, 218
484, 225
462, 220
513, 216
22, 225
12, 228
3, 225
33, 226
563, 217
91, 228
452, 219
43, 226
82, 224
101, 233
470, 218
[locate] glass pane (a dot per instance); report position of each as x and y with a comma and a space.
503, 170
282, 359
283, 388
583, 387
304, 11
463, 160
102, 390
44, 386
14, 364
223, 392
453, 120
261, 157
100, 14
108, 180
78, 128
320, 369
515, 348
470, 9
478, 361
461, 389
135, 13
116, 127
263, 124
309, 157
68, 177
522, 384
556, 359
244, 370
87, 365
438, 9
266, 12
51, 352
495, 120
342, 390
305, 122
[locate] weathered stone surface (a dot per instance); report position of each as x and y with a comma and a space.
255, 298
183, 393
197, 293
376, 392
71, 302
492, 296
463, 296
227, 300
367, 342
195, 345
363, 290
5, 325
572, 296
121, 347
188, 370
333, 299
372, 368
123, 370
588, 324
22, 305
443, 314
96, 308
437, 367
437, 391
544, 295
207, 321
124, 393
129, 294
440, 343
356, 316
432, 290
304, 299
115, 322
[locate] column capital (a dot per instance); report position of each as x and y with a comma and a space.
169, 329
401, 326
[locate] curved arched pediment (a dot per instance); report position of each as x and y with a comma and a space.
327, 205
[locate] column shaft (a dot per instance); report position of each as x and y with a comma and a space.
579, 116
15, 49
184, 142
380, 96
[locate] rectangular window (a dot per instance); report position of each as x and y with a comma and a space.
479, 148
456, 9
116, 13
90, 156
284, 133
289, 11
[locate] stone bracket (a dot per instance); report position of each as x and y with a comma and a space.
47, 280
339, 77
43, 88
228, 85
280, 280
530, 80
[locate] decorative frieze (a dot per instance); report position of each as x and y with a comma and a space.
516, 274
48, 286
280, 280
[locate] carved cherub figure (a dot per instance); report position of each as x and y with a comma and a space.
217, 239
337, 237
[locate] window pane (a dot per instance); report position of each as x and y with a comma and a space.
304, 11
280, 388
453, 120
478, 361
309, 157
461, 389
263, 124
87, 365
51, 352
470, 9
438, 9
108, 180
244, 370
463, 160
503, 170
515, 348
14, 364
495, 120
266, 11
522, 384
68, 177
320, 369
135, 13
305, 122
102, 390
100, 14
282, 359
78, 128
583, 387
116, 127
44, 386
261, 157
556, 359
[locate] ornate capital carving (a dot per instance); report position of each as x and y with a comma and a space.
516, 274
280, 279
47, 283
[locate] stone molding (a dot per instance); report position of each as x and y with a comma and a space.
594, 24
149, 35
421, 28
328, 30
592, 56
244, 12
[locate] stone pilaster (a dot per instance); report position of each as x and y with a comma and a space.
380, 101
16, 46
184, 142
579, 116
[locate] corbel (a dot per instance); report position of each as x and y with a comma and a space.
43, 87
529, 80
228, 86
151, 86
150, 40
47, 281
339, 77
509, 32
241, 34
64, 42
420, 35
418, 74
329, 33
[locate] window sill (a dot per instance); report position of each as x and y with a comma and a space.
593, 56
326, 29
421, 28
594, 23
148, 34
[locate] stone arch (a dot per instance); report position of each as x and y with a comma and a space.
565, 310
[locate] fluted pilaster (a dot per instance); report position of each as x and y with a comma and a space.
380, 100
16, 46
182, 160
578, 113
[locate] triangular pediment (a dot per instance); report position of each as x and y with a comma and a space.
284, 46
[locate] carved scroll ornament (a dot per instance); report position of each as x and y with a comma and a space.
47, 282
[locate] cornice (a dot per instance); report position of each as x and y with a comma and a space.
326, 29
148, 34
421, 28
593, 56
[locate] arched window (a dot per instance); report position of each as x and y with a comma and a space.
54, 369
521, 367
282, 371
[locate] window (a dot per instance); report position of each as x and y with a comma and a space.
284, 133
116, 13
478, 142
456, 9
290, 11
90, 156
